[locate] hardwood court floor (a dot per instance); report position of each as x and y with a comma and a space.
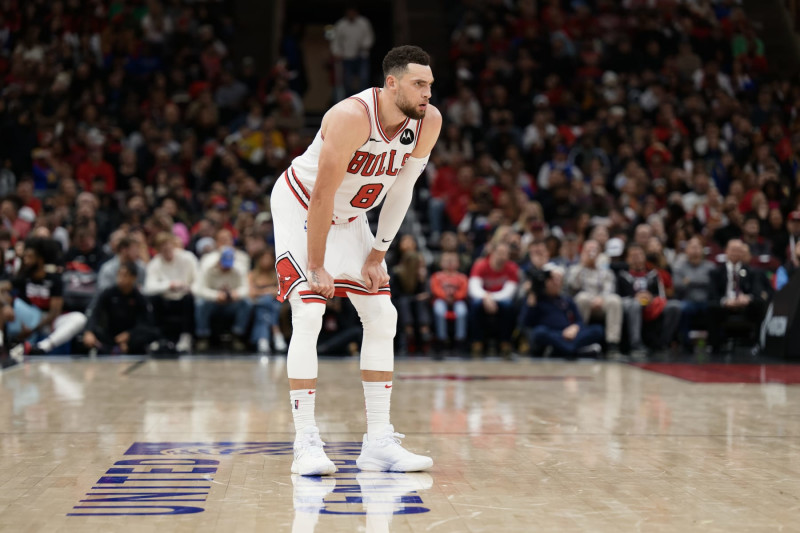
522, 446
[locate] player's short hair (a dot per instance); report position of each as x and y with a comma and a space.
396, 61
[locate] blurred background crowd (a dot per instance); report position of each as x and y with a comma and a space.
613, 177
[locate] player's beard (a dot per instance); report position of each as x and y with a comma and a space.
408, 109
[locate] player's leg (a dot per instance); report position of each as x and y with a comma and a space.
381, 450
301, 362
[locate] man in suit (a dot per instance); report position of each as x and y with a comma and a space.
736, 289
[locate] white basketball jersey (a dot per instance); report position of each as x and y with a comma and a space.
372, 170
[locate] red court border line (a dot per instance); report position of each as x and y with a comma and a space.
458, 377
727, 373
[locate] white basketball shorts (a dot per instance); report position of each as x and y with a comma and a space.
349, 243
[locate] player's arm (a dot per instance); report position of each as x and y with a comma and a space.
398, 198
345, 128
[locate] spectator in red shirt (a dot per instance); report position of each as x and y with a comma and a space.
94, 167
449, 290
492, 286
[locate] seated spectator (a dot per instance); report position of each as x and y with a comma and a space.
644, 300
594, 290
788, 269
85, 251
492, 286
411, 297
128, 249
557, 323
692, 278
6, 317
538, 256
224, 240
122, 320
168, 284
736, 290
39, 324
751, 236
786, 243
568, 252
449, 243
449, 292
221, 289
263, 281
16, 221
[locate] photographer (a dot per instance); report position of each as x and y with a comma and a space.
556, 321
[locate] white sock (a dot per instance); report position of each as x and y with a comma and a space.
378, 397
303, 408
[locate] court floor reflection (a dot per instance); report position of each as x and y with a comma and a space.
378, 496
518, 447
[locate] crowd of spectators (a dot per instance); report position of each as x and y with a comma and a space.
608, 173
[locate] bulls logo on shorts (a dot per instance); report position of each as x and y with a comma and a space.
289, 275
407, 137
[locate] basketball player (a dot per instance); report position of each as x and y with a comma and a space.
371, 147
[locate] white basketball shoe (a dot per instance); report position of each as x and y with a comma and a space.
384, 454
309, 457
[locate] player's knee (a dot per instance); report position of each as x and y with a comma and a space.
306, 316
380, 318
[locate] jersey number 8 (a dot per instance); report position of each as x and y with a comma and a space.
367, 195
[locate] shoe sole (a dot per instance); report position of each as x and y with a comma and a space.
376, 465
320, 471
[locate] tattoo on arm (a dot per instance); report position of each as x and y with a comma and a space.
314, 277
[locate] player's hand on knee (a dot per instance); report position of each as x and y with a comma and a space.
375, 276
321, 282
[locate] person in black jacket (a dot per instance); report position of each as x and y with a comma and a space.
556, 321
736, 289
122, 320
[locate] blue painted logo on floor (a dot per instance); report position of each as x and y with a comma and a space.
166, 476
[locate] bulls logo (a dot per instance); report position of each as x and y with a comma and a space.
289, 275
407, 137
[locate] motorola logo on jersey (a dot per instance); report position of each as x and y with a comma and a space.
407, 137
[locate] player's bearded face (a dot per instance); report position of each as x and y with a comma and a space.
409, 107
